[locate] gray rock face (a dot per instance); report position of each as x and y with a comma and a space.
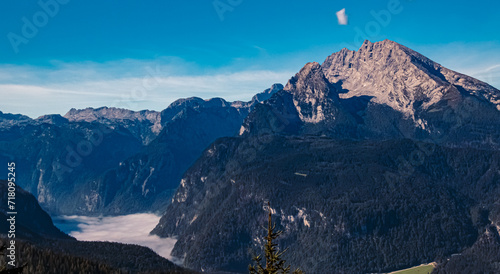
320, 149
266, 94
383, 91
110, 114
150, 177
313, 96
8, 120
145, 124
399, 77
114, 161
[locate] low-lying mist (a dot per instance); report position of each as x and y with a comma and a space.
129, 229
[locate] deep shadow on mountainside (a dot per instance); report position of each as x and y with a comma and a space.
344, 205
376, 160
32, 222
114, 161
42, 248
383, 91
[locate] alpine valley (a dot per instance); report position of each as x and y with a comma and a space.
115, 161
375, 160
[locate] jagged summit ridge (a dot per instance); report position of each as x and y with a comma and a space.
145, 124
136, 158
313, 97
110, 113
266, 94
399, 77
383, 91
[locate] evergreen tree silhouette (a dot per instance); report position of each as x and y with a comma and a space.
274, 263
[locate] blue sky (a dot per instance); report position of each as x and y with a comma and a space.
145, 54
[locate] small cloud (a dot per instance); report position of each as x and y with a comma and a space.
342, 17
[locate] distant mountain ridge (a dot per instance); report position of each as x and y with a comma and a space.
8, 119
376, 160
115, 161
152, 176
331, 150
105, 113
145, 124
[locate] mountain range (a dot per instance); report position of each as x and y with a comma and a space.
115, 161
385, 91
375, 160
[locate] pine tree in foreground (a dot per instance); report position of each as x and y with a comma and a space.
274, 263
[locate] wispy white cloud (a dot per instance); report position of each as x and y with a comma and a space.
154, 84
479, 60
128, 84
130, 229
342, 17
489, 74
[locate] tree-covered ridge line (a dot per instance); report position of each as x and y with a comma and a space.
63, 256
345, 213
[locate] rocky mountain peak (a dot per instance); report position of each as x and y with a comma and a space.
110, 113
8, 120
313, 96
384, 90
309, 79
399, 77
274, 87
266, 94
144, 124
54, 119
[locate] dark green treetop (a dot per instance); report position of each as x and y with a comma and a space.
274, 263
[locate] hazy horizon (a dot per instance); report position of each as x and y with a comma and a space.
67, 61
